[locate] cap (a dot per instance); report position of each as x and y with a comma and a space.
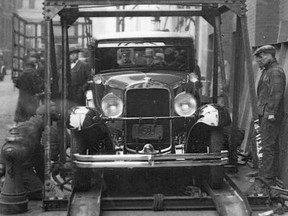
75, 49
149, 52
265, 49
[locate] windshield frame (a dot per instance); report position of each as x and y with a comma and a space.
137, 44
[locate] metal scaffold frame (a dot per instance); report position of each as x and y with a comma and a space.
69, 11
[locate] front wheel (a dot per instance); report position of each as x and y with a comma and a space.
216, 144
81, 177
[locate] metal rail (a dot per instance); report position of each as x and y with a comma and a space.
139, 13
226, 201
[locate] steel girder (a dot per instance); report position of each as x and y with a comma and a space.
53, 7
138, 2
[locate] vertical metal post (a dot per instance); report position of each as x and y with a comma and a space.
221, 57
252, 91
36, 35
54, 84
238, 69
13, 45
215, 69
47, 158
65, 75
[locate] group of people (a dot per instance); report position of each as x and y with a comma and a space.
30, 113
153, 57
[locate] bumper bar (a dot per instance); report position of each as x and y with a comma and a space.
151, 161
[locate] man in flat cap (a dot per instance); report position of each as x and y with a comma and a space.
270, 104
80, 74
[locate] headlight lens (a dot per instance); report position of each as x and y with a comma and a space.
112, 106
185, 104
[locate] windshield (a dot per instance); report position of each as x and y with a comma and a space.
148, 54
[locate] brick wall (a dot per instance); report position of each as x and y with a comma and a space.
267, 22
283, 10
251, 17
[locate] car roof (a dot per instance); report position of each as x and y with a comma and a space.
142, 35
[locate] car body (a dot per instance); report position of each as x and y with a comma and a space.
147, 109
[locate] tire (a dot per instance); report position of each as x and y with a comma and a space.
216, 144
81, 177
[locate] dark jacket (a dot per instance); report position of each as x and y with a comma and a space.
29, 84
80, 74
270, 91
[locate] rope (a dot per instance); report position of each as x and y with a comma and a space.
158, 203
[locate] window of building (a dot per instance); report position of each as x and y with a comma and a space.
19, 4
31, 4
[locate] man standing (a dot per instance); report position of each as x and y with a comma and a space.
80, 74
270, 104
29, 85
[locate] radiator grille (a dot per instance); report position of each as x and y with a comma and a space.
148, 103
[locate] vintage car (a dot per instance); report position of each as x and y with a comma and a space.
144, 110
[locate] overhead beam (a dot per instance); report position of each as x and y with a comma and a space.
142, 13
139, 2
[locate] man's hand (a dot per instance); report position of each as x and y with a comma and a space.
2, 170
271, 118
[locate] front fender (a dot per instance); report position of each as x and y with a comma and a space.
213, 115
82, 118
89, 130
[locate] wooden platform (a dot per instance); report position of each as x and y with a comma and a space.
240, 179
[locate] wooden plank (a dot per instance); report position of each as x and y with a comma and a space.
86, 203
229, 201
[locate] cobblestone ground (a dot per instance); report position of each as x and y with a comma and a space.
8, 100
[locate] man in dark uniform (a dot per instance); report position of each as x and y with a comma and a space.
270, 103
80, 74
29, 84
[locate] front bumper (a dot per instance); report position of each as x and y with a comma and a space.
151, 161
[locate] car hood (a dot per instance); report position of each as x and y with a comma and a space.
125, 80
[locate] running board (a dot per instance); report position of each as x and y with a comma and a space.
229, 200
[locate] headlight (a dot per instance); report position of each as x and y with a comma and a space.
185, 104
112, 106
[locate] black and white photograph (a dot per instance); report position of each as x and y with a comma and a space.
143, 107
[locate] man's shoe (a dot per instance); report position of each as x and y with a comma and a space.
258, 188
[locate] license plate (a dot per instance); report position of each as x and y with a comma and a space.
147, 131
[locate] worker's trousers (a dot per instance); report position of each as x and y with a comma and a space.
270, 131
